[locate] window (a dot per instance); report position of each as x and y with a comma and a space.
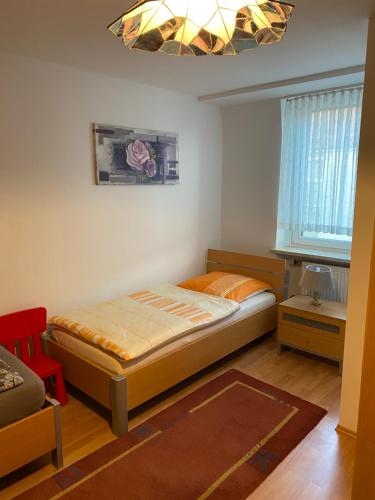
318, 169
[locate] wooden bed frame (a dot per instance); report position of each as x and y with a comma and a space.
31, 437
121, 393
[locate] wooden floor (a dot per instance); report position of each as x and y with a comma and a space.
320, 468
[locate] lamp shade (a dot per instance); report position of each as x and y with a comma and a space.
196, 27
317, 278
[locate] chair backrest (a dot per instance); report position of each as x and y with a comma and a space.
21, 330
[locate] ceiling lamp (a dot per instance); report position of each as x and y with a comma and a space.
201, 27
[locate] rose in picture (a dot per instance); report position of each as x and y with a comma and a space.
137, 154
149, 168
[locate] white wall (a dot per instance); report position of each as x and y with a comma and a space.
251, 164
65, 242
361, 249
251, 170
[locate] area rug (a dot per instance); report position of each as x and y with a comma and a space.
220, 442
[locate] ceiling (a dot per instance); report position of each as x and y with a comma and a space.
323, 35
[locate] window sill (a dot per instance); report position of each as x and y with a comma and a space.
310, 255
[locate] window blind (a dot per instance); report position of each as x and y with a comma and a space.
320, 139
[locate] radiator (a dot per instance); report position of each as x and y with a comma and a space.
341, 279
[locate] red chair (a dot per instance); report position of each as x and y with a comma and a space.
20, 333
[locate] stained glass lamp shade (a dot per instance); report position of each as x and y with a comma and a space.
201, 27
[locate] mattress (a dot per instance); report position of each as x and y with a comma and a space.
23, 400
95, 355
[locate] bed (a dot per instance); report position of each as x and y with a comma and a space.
24, 399
122, 387
29, 425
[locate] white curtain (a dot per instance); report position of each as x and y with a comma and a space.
319, 161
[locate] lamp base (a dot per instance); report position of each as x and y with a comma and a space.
315, 299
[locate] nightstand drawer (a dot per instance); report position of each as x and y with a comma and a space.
320, 344
327, 327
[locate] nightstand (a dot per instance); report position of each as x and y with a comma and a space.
315, 329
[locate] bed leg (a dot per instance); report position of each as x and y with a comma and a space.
279, 348
57, 453
119, 404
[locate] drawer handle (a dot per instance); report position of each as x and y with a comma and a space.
319, 325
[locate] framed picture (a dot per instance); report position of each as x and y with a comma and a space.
133, 156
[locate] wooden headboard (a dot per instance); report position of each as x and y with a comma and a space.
272, 271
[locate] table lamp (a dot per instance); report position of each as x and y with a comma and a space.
318, 279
